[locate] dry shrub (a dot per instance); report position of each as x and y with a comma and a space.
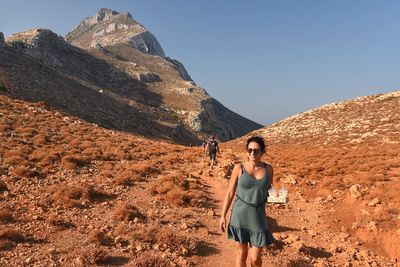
59, 222
124, 178
75, 142
14, 160
6, 245
39, 154
175, 190
93, 255
76, 195
146, 234
3, 186
39, 139
11, 235
86, 144
106, 174
183, 245
99, 237
127, 212
4, 127
184, 198
27, 131
6, 215
71, 162
92, 153
145, 169
151, 260
23, 171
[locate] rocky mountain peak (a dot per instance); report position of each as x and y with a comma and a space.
109, 28
104, 14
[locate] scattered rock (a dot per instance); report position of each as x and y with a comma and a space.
211, 213
335, 249
298, 246
343, 236
374, 202
371, 226
289, 179
330, 198
292, 238
355, 192
365, 212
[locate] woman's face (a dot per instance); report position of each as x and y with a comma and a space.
254, 151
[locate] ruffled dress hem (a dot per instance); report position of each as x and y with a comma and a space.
255, 238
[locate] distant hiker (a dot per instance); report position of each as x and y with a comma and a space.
249, 185
204, 145
212, 149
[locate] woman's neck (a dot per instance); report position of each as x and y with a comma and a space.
255, 163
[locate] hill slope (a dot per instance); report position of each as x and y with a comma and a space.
347, 156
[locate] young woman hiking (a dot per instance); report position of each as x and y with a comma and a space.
248, 188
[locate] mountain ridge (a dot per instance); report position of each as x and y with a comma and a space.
157, 86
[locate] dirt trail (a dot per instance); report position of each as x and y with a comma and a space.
301, 229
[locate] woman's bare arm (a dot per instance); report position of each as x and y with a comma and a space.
229, 195
270, 174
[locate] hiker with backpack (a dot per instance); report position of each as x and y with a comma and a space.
212, 149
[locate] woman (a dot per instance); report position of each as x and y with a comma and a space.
248, 223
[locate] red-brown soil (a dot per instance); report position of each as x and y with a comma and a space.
75, 194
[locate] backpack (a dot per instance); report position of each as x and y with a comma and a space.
212, 146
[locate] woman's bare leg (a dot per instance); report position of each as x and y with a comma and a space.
241, 254
255, 256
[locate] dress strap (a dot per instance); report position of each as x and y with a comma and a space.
242, 167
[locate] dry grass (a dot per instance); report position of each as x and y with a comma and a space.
124, 178
146, 234
39, 139
6, 215
71, 162
77, 195
151, 260
59, 222
99, 237
93, 255
175, 189
23, 171
182, 245
11, 235
3, 186
127, 212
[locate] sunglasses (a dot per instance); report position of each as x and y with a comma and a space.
256, 151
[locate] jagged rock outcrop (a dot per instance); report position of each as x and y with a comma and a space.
2, 41
109, 27
179, 67
40, 44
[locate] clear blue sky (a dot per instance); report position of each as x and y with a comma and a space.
265, 60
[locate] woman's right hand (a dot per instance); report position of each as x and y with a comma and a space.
222, 224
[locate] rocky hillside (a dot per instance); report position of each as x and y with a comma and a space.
346, 156
113, 72
75, 194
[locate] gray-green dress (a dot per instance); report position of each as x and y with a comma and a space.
248, 223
